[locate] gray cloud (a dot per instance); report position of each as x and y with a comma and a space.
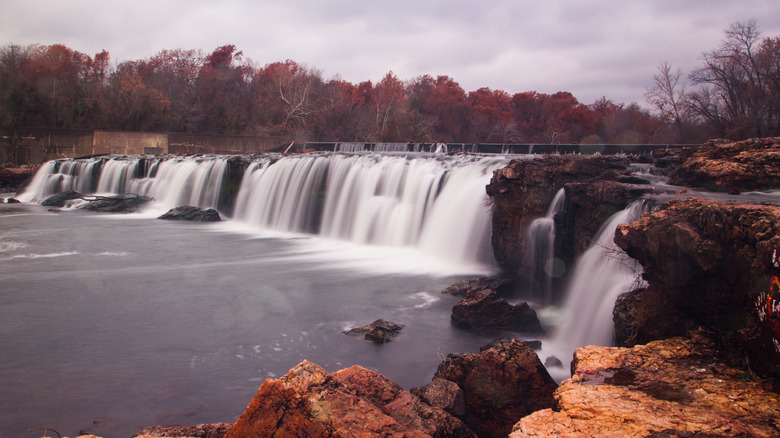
592, 49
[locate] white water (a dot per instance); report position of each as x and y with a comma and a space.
541, 241
602, 273
430, 204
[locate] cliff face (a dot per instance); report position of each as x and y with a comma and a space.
524, 189
710, 264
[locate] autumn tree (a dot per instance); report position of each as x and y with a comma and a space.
388, 104
223, 92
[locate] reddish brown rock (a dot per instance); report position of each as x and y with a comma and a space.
485, 310
501, 384
406, 408
723, 165
379, 331
709, 264
442, 394
308, 401
669, 388
462, 287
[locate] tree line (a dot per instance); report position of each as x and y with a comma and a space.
224, 92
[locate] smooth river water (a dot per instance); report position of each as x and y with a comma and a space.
111, 323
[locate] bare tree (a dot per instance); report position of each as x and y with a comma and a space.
668, 96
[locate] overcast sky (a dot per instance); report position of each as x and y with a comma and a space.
591, 48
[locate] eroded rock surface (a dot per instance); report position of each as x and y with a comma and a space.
216, 430
193, 214
379, 331
671, 388
723, 165
501, 384
308, 401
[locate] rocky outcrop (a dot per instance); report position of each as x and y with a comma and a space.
308, 401
193, 214
523, 190
484, 310
501, 384
723, 165
61, 199
216, 430
710, 264
669, 388
462, 287
379, 331
116, 204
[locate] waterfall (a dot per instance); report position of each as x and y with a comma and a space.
602, 274
171, 181
433, 204
541, 243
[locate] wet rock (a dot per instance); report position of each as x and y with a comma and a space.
12, 201
61, 199
673, 387
216, 430
194, 214
501, 384
460, 288
485, 310
116, 204
553, 362
712, 264
723, 165
308, 401
379, 331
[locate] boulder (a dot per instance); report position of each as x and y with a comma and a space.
379, 331
189, 213
501, 384
116, 204
713, 264
460, 288
485, 310
442, 394
669, 388
61, 199
12, 201
405, 407
723, 165
308, 401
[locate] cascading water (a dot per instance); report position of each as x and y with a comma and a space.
602, 274
541, 242
171, 181
430, 203
435, 205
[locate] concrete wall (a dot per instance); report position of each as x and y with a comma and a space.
35, 146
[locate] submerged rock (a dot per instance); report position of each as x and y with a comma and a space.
379, 331
671, 388
189, 213
308, 401
501, 384
485, 310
